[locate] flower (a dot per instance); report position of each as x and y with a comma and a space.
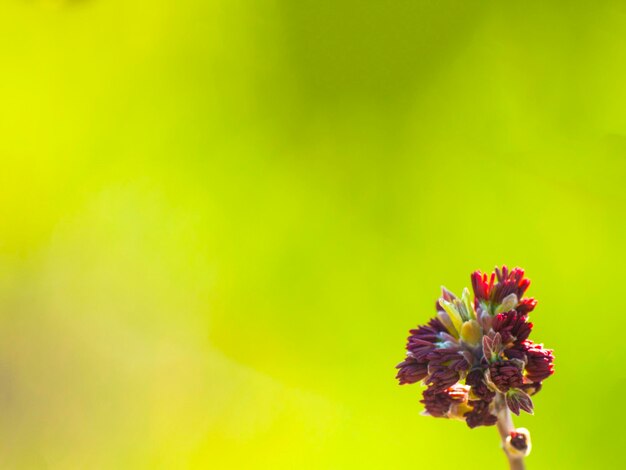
510, 287
539, 364
506, 374
479, 388
445, 367
411, 371
512, 326
481, 414
448, 403
477, 348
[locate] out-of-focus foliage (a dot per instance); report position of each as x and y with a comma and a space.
219, 219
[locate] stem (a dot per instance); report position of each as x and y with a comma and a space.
505, 426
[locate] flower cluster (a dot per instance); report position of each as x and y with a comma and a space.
477, 349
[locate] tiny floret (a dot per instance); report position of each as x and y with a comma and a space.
476, 348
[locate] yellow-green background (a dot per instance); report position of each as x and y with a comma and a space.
218, 220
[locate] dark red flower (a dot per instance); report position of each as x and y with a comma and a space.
517, 351
445, 368
422, 341
493, 289
526, 306
479, 388
480, 415
506, 375
539, 365
439, 402
509, 282
411, 371
425, 338
512, 326
476, 353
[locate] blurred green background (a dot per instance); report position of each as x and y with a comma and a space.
219, 219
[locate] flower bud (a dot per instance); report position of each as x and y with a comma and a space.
518, 443
471, 332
